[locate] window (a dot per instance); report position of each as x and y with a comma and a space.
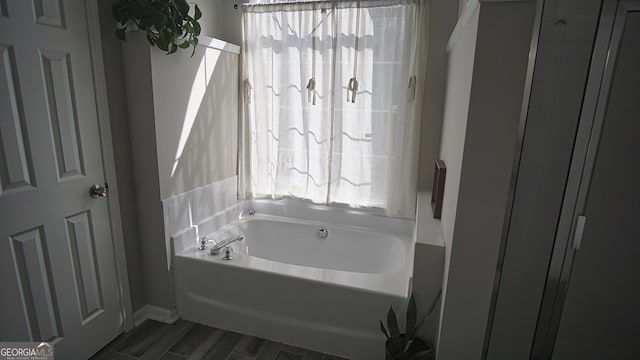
307, 133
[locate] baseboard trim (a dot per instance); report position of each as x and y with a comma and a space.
157, 313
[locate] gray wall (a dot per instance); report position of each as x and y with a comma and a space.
137, 72
500, 63
231, 20
196, 118
428, 267
442, 19
222, 21
122, 151
158, 90
554, 109
210, 21
456, 110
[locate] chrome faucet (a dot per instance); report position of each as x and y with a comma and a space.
203, 243
215, 249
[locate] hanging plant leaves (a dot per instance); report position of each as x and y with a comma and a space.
121, 34
196, 29
160, 20
163, 40
167, 23
182, 6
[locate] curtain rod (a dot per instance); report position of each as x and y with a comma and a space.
322, 4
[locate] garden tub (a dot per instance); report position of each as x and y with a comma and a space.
289, 283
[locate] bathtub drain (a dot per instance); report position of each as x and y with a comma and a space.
322, 233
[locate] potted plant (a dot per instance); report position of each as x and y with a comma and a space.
167, 22
406, 346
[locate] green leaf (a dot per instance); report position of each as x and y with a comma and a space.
162, 45
163, 41
412, 313
150, 7
116, 9
121, 34
143, 24
160, 20
407, 345
384, 330
150, 38
182, 6
396, 345
412, 333
196, 28
392, 323
167, 23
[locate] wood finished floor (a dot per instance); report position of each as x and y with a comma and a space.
153, 340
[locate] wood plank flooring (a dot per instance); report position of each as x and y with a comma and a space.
183, 340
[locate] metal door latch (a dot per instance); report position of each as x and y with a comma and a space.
97, 191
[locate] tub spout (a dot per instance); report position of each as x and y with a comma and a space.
215, 249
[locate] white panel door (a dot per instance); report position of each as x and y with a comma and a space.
57, 266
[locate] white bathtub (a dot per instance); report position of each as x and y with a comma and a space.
287, 285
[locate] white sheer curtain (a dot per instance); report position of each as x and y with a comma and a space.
323, 144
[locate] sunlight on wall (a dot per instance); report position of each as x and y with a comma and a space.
198, 90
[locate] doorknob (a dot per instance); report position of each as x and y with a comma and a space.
97, 191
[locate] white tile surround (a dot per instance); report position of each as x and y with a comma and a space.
428, 267
200, 211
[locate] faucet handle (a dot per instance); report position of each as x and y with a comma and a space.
227, 253
203, 242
